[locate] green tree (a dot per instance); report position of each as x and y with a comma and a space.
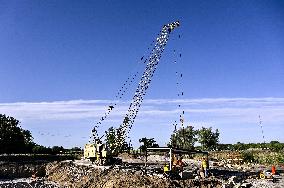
147, 143
57, 149
111, 135
275, 146
38, 149
208, 139
126, 147
240, 146
222, 147
111, 140
76, 149
184, 138
13, 139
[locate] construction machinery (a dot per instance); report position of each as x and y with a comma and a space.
269, 175
97, 150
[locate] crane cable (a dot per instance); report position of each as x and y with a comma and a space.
180, 96
119, 95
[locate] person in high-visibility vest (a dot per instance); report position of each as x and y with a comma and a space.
205, 167
166, 168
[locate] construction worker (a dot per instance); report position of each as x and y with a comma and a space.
180, 164
166, 168
201, 170
204, 166
174, 162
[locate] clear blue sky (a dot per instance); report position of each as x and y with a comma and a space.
69, 50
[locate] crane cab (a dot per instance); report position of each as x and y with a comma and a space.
97, 153
89, 151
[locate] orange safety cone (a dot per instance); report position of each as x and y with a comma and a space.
273, 170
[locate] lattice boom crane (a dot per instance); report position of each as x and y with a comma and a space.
101, 153
152, 63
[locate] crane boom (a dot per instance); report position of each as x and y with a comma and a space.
152, 63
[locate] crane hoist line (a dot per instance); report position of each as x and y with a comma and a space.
143, 85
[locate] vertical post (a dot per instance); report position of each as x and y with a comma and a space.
146, 161
207, 160
170, 159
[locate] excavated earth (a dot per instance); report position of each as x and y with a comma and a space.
68, 174
83, 174
78, 175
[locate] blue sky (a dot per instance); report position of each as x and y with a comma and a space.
62, 62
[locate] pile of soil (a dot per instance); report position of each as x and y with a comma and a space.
126, 156
67, 174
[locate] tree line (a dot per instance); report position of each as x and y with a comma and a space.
183, 138
14, 139
208, 139
272, 145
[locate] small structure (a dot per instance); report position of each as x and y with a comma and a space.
172, 151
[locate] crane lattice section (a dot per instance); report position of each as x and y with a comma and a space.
144, 83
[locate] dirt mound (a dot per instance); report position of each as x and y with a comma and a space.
126, 156
67, 174
116, 179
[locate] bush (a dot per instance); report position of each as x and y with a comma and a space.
248, 157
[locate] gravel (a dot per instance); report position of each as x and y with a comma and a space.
27, 183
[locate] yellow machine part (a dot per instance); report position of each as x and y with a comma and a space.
89, 151
261, 175
104, 153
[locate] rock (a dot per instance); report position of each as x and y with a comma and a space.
246, 185
237, 185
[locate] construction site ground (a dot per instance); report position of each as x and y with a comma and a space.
131, 173
82, 173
